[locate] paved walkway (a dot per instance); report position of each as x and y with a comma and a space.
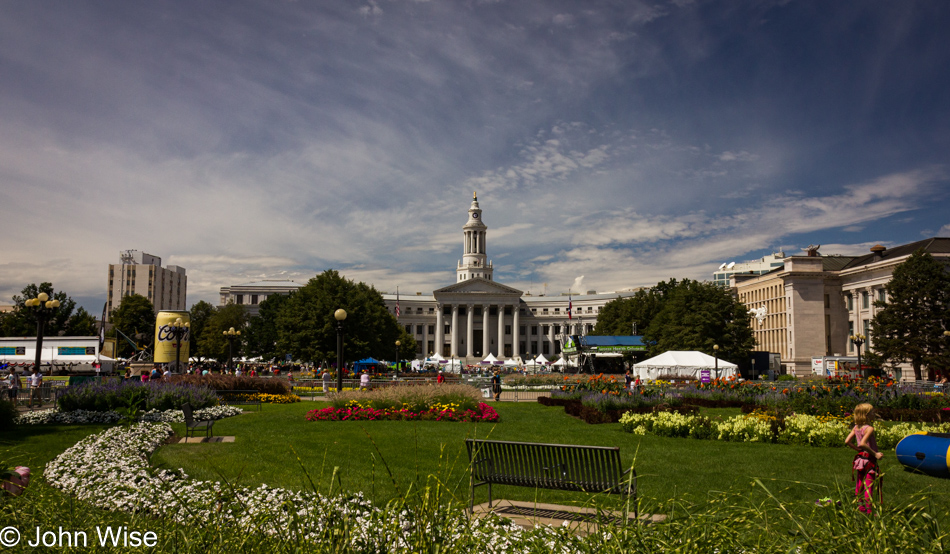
582, 521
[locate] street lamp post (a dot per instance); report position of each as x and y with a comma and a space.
179, 332
398, 343
43, 307
858, 340
340, 316
231, 334
716, 359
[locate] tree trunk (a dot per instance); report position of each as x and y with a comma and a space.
916, 363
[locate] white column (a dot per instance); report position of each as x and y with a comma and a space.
501, 331
515, 336
550, 341
455, 330
470, 331
425, 338
439, 330
485, 349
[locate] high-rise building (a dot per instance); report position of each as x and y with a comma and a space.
143, 274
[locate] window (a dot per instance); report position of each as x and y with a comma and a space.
534, 346
827, 300
882, 295
534, 331
447, 330
418, 310
431, 310
866, 325
557, 329
431, 329
521, 330
557, 310
420, 329
508, 330
544, 310
850, 303
590, 309
545, 347
864, 300
254, 299
409, 329
240, 299
544, 329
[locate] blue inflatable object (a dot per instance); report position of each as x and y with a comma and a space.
928, 453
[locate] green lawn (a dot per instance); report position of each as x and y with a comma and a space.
278, 447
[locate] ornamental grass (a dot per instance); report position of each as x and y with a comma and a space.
415, 398
235, 382
113, 395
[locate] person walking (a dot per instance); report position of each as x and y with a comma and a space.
865, 464
496, 385
326, 380
14, 384
36, 382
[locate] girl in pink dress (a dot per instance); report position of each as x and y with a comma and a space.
865, 464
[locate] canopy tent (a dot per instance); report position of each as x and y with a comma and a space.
511, 362
541, 359
453, 365
683, 364
367, 364
490, 359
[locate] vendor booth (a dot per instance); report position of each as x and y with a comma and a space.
688, 364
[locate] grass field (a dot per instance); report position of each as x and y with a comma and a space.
279, 448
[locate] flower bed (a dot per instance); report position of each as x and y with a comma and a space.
46, 417
263, 397
799, 429
354, 411
110, 395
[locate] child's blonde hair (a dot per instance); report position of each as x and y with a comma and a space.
862, 414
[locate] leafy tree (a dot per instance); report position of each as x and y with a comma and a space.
82, 324
697, 316
200, 313
618, 316
910, 325
307, 329
262, 335
135, 318
21, 322
213, 343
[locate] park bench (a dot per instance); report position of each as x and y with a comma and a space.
592, 469
239, 397
191, 425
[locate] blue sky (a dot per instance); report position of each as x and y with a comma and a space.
613, 144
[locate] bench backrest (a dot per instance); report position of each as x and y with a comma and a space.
549, 466
189, 417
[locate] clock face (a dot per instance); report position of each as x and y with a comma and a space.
475, 215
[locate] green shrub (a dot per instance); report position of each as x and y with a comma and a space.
7, 414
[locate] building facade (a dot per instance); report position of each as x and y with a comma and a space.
143, 274
250, 295
477, 316
812, 305
754, 267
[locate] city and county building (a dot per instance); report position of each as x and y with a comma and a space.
477, 316
143, 274
811, 306
250, 295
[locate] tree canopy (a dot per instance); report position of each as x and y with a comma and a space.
306, 327
200, 313
135, 318
683, 315
213, 343
262, 329
21, 322
910, 325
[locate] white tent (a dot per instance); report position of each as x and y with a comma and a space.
541, 359
683, 364
490, 359
511, 362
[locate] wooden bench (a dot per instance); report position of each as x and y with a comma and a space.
233, 398
592, 469
191, 425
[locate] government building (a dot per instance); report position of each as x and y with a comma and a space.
477, 316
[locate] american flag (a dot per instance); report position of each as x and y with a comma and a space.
570, 307
397, 302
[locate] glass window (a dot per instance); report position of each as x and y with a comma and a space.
544, 329
431, 329
882, 295
534, 329
409, 329
865, 304
419, 329
850, 302
508, 330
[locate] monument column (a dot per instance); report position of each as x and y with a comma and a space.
455, 330
501, 331
515, 336
470, 331
439, 330
485, 338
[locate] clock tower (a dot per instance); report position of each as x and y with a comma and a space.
474, 263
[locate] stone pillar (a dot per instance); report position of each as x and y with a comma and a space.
470, 331
439, 330
485, 347
501, 331
551, 342
425, 339
515, 333
455, 330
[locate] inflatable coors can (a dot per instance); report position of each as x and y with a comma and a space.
166, 347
